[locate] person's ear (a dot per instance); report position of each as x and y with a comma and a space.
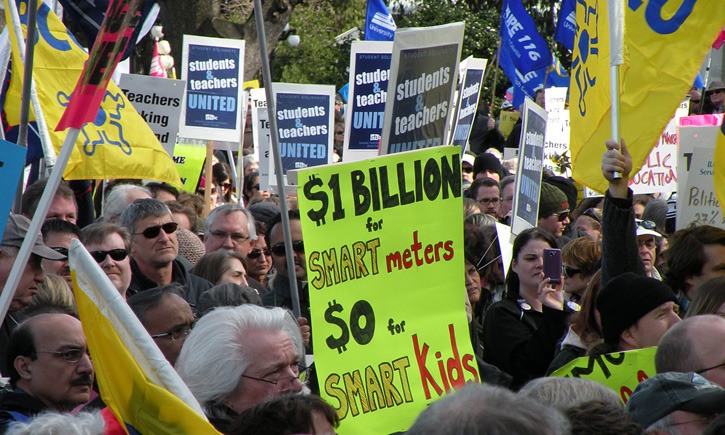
22, 366
629, 337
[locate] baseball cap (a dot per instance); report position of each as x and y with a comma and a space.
15, 231
646, 228
665, 393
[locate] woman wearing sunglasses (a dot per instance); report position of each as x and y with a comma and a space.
109, 244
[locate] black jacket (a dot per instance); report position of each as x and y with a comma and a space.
17, 405
195, 285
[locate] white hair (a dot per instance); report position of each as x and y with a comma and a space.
54, 423
227, 209
214, 355
117, 201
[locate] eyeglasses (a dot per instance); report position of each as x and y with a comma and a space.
226, 185
177, 333
695, 101
256, 253
153, 232
116, 255
279, 249
486, 201
236, 237
699, 372
467, 169
592, 213
648, 225
256, 186
69, 355
570, 271
718, 91
562, 216
301, 376
62, 251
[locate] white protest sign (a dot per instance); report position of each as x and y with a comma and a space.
556, 144
258, 100
555, 99
158, 101
696, 198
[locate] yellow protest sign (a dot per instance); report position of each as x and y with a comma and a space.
621, 372
506, 121
189, 160
384, 249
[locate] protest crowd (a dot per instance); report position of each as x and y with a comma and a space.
605, 317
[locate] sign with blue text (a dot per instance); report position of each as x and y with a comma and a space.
369, 74
213, 69
423, 77
305, 117
472, 71
528, 175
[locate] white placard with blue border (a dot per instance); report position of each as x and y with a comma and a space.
472, 71
214, 72
305, 121
369, 74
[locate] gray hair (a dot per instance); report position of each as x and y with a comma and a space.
227, 209
84, 423
117, 201
505, 181
479, 409
214, 355
564, 393
140, 209
663, 426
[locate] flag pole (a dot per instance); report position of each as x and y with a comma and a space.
704, 84
37, 221
616, 54
495, 78
274, 145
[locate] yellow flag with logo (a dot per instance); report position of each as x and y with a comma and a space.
118, 143
664, 46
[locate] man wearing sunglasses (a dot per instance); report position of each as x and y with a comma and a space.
279, 294
154, 248
57, 235
553, 212
50, 371
31, 275
109, 244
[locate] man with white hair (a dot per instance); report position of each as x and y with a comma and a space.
120, 198
238, 357
230, 226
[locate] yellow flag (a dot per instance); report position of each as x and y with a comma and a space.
118, 143
137, 383
665, 44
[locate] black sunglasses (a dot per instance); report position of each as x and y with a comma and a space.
648, 225
116, 255
61, 251
570, 271
256, 253
153, 232
561, 216
279, 249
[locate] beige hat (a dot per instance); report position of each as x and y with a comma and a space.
15, 231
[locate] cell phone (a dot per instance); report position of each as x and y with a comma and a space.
552, 265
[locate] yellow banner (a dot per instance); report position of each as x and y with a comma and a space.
506, 122
653, 81
384, 249
118, 143
189, 160
621, 372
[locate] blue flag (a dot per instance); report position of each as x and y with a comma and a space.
526, 48
89, 14
566, 27
379, 24
524, 84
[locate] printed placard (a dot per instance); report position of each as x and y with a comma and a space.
528, 175
369, 74
621, 372
423, 76
158, 101
387, 293
189, 159
556, 143
305, 117
471, 84
213, 69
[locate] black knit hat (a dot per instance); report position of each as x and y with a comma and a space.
488, 161
625, 299
551, 200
